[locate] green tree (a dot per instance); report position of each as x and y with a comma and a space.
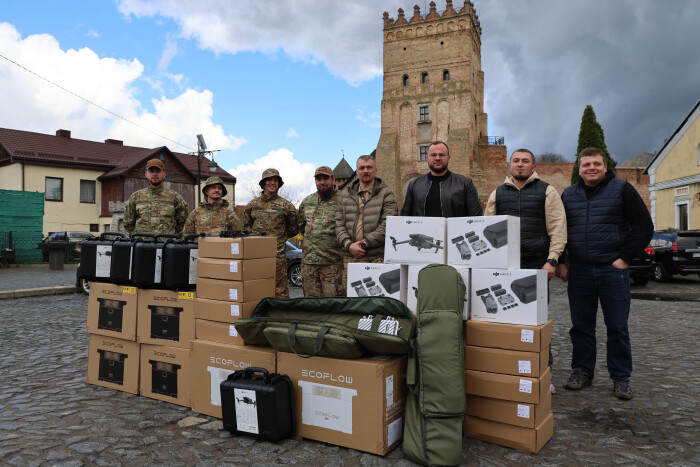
590, 136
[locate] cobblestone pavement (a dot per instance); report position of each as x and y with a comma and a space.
38, 275
49, 415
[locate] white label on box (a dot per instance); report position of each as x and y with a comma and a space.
103, 260
233, 266
235, 310
246, 410
389, 390
326, 406
194, 254
234, 248
524, 366
526, 386
523, 411
232, 331
233, 294
527, 335
394, 431
159, 265
217, 376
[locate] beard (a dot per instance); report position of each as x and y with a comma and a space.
440, 171
326, 191
521, 177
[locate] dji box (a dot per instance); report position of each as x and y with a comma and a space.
412, 287
215, 319
166, 317
415, 240
235, 291
165, 373
377, 280
530, 390
112, 310
484, 242
357, 403
113, 363
526, 415
515, 296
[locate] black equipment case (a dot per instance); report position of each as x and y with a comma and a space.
96, 257
147, 266
122, 257
180, 263
256, 402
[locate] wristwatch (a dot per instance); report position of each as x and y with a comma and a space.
553, 262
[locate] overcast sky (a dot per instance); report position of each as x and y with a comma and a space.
297, 83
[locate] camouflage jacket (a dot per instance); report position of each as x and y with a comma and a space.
273, 215
155, 210
317, 225
212, 218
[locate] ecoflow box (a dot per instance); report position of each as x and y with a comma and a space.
236, 269
377, 280
166, 317
412, 287
515, 296
484, 242
213, 362
526, 415
414, 240
237, 248
357, 403
165, 373
516, 437
215, 319
113, 363
112, 310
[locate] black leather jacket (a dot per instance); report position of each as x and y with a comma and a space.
458, 196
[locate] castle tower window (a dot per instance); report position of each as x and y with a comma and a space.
404, 80
445, 75
423, 153
424, 78
424, 113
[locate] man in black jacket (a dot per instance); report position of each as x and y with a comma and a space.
441, 193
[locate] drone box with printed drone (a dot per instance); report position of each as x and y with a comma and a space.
515, 296
484, 242
412, 287
415, 240
377, 280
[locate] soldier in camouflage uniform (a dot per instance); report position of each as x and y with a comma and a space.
214, 215
155, 209
276, 217
322, 259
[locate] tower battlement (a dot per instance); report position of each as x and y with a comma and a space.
433, 15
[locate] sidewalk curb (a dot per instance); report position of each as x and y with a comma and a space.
38, 291
666, 296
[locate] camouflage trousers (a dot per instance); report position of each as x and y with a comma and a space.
351, 259
322, 280
281, 283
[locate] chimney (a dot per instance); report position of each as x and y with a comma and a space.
63, 133
115, 142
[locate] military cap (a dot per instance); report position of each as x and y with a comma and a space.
324, 170
270, 173
155, 163
213, 181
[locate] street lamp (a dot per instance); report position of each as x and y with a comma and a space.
211, 165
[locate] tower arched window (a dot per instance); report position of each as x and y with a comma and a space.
424, 77
404, 80
445, 75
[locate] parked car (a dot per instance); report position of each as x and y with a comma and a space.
81, 284
74, 238
641, 268
675, 252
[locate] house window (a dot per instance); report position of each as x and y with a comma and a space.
423, 113
423, 153
87, 191
445, 75
424, 77
53, 189
404, 80
94, 227
107, 227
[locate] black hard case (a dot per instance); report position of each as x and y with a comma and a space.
89, 255
177, 259
147, 255
122, 256
274, 402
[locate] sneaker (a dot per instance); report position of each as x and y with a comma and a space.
578, 380
552, 389
623, 390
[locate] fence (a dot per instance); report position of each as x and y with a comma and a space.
24, 246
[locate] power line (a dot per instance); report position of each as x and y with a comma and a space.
93, 103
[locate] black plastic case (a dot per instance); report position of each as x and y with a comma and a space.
180, 263
258, 403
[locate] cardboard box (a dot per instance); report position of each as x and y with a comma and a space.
236, 269
213, 362
484, 242
512, 413
113, 363
415, 240
377, 279
412, 287
236, 291
223, 311
166, 317
508, 362
356, 403
238, 248
509, 336
516, 296
525, 439
165, 373
112, 310
508, 387
216, 331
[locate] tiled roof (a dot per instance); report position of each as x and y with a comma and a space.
114, 159
640, 160
343, 170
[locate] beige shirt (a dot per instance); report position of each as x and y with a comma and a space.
362, 197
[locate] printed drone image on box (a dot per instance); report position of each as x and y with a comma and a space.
484, 242
515, 296
415, 240
376, 280
412, 287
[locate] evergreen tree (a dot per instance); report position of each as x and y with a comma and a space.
590, 136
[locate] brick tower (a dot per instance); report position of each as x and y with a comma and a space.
434, 90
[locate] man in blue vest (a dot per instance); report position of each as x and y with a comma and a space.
608, 223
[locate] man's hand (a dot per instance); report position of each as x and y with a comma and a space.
356, 250
620, 263
550, 270
562, 272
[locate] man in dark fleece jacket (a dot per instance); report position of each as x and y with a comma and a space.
608, 224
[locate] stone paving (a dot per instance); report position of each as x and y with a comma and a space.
49, 415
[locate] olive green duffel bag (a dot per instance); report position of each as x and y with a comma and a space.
336, 327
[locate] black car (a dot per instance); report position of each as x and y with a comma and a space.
675, 252
641, 268
72, 240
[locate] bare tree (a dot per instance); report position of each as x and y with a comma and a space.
550, 157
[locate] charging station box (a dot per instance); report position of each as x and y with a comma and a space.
486, 242
415, 240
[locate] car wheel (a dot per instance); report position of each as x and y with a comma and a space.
640, 280
660, 274
84, 286
294, 274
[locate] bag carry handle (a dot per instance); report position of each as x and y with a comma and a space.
104, 235
193, 236
320, 337
252, 370
165, 236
